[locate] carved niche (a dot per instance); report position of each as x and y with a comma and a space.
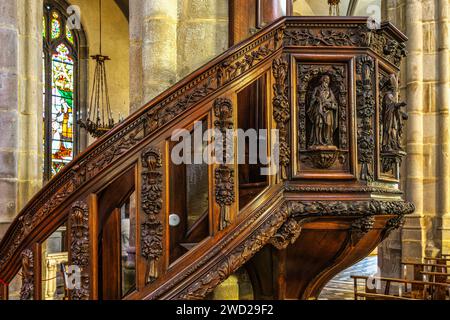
392, 121
151, 227
224, 174
27, 289
79, 248
365, 109
323, 136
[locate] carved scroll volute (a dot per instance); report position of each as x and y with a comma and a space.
151, 227
27, 290
80, 249
365, 69
224, 173
281, 111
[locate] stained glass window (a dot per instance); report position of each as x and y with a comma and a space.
60, 88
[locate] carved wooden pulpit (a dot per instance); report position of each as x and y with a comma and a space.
329, 89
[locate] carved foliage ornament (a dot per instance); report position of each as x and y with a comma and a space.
151, 227
27, 289
79, 247
365, 67
224, 174
287, 234
361, 227
281, 111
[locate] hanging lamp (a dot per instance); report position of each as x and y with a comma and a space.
99, 118
334, 7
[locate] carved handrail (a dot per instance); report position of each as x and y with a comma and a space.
286, 35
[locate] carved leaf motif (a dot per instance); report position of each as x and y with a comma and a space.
286, 235
281, 111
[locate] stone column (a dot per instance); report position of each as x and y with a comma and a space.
9, 113
443, 102
159, 46
202, 33
30, 161
136, 73
20, 105
412, 235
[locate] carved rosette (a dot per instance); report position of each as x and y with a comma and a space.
365, 68
27, 289
287, 234
151, 227
79, 248
224, 174
281, 111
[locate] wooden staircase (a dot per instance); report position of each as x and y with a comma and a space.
326, 209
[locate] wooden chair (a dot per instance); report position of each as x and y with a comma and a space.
407, 289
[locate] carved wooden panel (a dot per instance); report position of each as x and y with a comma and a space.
27, 289
151, 227
365, 110
80, 248
323, 118
224, 174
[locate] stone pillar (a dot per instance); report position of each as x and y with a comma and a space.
443, 102
9, 112
20, 105
136, 71
30, 161
202, 33
159, 46
412, 234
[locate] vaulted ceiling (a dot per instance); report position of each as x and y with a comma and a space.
124, 5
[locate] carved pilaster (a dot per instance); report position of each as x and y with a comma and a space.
27, 290
151, 227
281, 111
79, 248
224, 174
365, 68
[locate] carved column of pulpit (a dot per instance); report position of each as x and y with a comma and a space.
345, 130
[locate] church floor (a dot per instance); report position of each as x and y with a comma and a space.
341, 286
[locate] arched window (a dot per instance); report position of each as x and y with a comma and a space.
61, 93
